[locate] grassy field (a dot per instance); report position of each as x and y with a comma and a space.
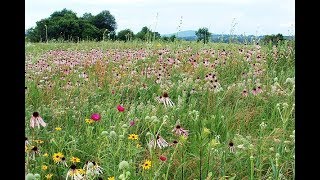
180, 110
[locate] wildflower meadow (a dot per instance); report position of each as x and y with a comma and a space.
159, 110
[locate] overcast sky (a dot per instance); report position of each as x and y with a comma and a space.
250, 17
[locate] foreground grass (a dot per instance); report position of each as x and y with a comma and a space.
231, 135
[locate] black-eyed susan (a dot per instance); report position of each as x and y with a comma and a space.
44, 167
111, 178
58, 128
38, 141
146, 165
74, 159
48, 176
133, 137
89, 121
57, 157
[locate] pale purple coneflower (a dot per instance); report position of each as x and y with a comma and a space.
132, 123
180, 131
259, 90
231, 147
244, 93
159, 141
26, 142
254, 91
36, 120
74, 173
165, 100
92, 168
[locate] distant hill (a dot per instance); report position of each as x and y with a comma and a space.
190, 35
182, 34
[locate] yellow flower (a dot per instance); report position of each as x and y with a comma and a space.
146, 164
74, 160
81, 171
111, 178
89, 121
133, 137
44, 167
57, 157
214, 143
58, 128
49, 176
38, 141
206, 131
45, 155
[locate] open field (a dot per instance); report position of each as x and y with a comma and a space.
181, 110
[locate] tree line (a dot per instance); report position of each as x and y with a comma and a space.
65, 25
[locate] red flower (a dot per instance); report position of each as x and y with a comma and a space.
120, 108
95, 117
163, 158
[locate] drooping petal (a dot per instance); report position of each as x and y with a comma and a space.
32, 122
42, 122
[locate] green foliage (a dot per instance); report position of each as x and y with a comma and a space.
147, 35
125, 35
273, 39
65, 25
203, 34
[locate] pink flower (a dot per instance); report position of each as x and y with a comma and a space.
120, 108
180, 131
95, 117
132, 123
36, 120
244, 93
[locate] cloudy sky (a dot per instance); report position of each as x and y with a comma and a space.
249, 17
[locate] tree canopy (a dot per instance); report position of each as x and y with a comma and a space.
203, 34
66, 25
274, 39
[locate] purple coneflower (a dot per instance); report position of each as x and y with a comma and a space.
160, 142
244, 93
165, 100
92, 168
231, 147
180, 131
74, 173
36, 120
132, 123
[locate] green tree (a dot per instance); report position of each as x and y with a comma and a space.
66, 25
125, 35
273, 39
147, 35
203, 34
104, 20
172, 38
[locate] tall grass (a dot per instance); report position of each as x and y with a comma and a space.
260, 127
